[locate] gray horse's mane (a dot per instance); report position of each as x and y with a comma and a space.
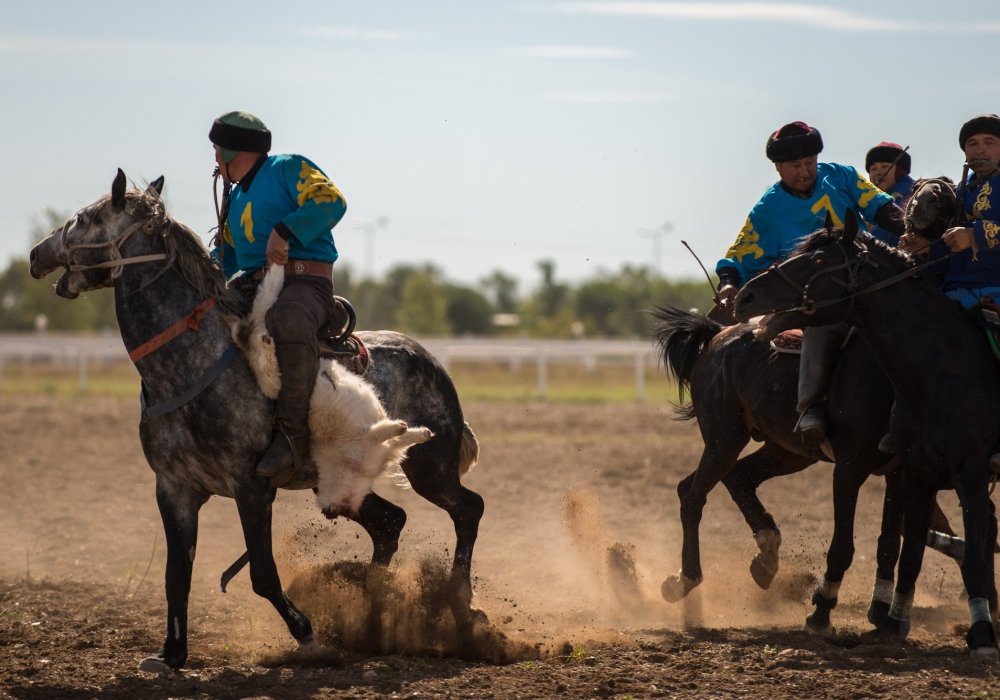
186, 249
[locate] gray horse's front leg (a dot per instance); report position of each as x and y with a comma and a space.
253, 502
179, 508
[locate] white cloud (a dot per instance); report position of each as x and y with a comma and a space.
571, 52
823, 16
610, 97
355, 33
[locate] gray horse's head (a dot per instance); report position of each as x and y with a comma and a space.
92, 243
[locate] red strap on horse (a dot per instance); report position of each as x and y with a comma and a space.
188, 323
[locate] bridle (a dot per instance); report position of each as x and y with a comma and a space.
115, 259
852, 266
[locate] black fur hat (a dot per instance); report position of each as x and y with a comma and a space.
793, 141
983, 124
888, 152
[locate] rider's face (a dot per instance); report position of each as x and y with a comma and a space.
982, 153
798, 175
883, 175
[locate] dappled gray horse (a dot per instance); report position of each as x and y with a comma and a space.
205, 422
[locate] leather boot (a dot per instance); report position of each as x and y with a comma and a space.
289, 448
812, 425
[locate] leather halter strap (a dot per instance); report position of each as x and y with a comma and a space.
190, 322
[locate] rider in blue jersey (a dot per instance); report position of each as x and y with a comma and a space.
280, 209
791, 209
888, 166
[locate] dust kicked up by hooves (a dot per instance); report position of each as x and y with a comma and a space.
408, 610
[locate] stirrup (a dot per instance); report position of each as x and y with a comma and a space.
280, 477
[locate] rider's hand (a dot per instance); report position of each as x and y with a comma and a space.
913, 244
727, 293
277, 249
958, 238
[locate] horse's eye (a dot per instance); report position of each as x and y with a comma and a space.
818, 260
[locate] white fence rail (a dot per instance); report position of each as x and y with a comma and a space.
68, 350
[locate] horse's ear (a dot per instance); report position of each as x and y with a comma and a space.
118, 190
828, 224
156, 186
850, 227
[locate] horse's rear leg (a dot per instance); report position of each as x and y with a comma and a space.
254, 505
742, 482
466, 510
179, 508
978, 514
383, 521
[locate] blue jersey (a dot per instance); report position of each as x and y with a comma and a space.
977, 267
900, 193
780, 219
284, 192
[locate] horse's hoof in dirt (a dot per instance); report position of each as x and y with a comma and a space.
764, 566
878, 612
891, 627
309, 643
676, 587
981, 638
819, 623
763, 569
155, 664
985, 654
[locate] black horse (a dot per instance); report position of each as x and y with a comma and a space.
942, 370
205, 422
742, 389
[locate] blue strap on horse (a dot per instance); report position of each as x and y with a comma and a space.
211, 374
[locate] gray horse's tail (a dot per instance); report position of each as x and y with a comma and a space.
681, 336
469, 454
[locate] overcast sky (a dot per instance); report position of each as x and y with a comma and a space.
489, 134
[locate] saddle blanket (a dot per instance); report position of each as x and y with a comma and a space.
789, 341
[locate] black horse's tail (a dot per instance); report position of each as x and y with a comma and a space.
681, 336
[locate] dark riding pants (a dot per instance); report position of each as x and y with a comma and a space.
820, 348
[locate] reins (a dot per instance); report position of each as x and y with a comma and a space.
853, 266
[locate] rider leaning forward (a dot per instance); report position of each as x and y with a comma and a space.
280, 209
791, 209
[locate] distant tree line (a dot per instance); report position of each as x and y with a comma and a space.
416, 299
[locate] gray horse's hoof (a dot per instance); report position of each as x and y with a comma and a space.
155, 664
676, 587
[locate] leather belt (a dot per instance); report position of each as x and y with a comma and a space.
300, 267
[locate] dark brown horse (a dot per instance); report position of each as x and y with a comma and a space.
942, 369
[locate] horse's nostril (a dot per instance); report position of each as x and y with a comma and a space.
31, 256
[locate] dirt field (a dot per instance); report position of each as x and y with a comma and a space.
81, 577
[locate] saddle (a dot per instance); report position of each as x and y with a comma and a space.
338, 342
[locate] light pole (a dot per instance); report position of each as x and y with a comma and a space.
370, 227
657, 234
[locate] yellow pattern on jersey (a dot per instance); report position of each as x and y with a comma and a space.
246, 222
314, 185
746, 243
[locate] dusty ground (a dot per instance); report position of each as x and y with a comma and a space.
81, 570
